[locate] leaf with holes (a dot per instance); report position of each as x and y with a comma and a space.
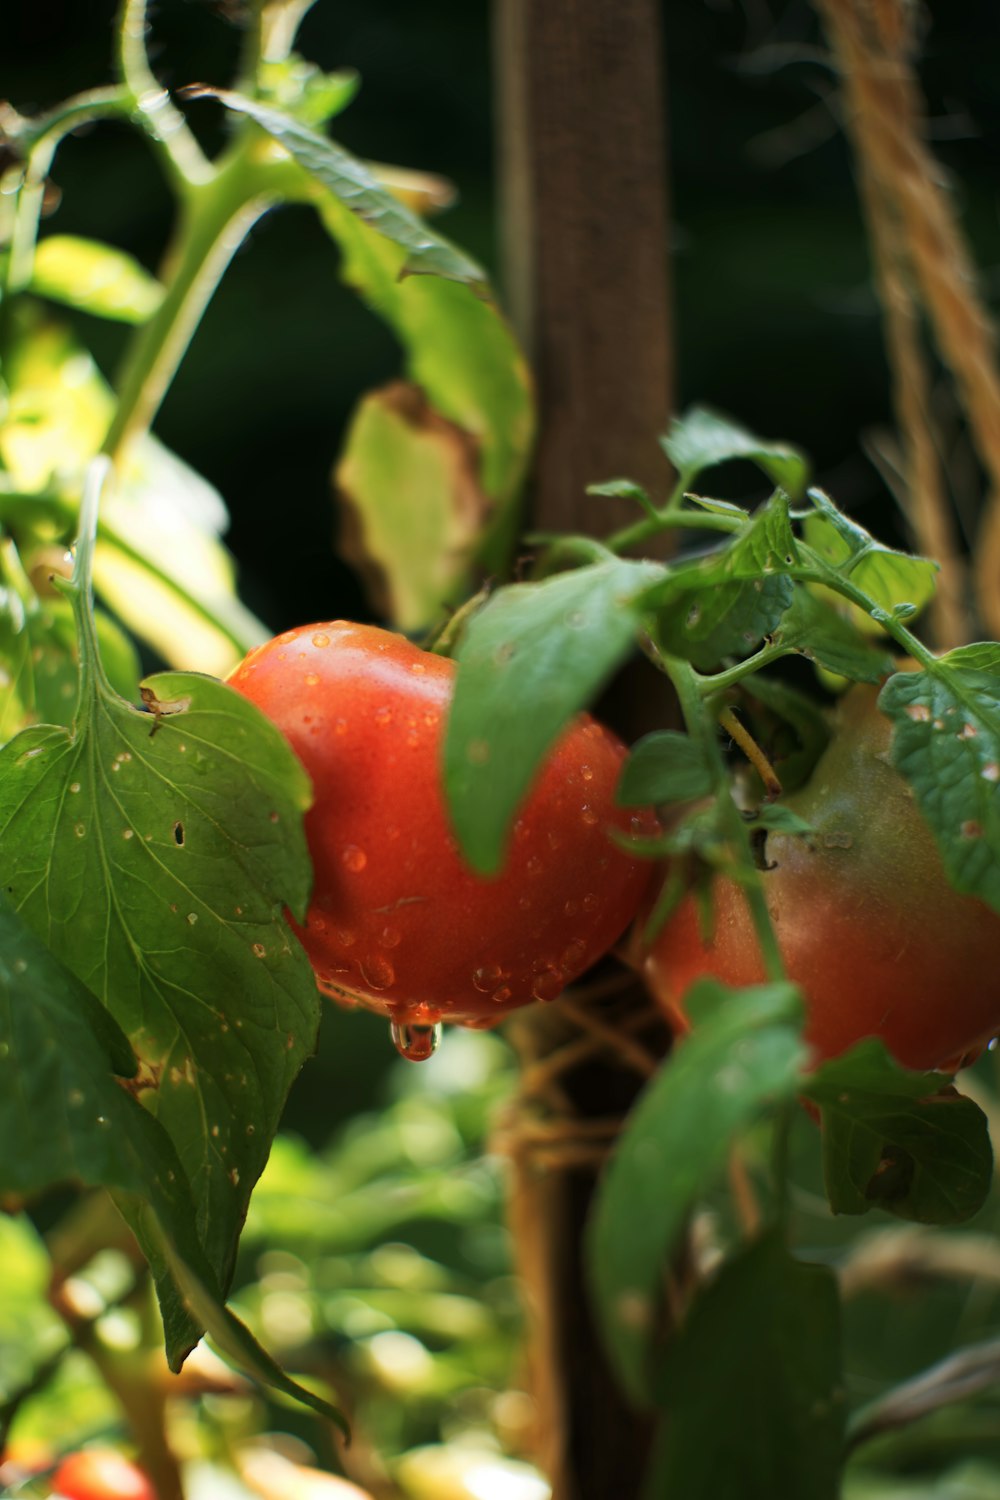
153, 853
898, 1140
946, 742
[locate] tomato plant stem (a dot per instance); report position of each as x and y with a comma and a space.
215, 219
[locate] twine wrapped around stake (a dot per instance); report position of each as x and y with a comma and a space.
919, 248
557, 1133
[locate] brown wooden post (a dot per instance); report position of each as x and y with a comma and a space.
581, 127
585, 257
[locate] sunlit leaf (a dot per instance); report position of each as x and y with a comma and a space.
413, 506
891, 578
95, 277
154, 854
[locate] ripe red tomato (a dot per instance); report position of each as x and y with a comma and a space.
398, 920
865, 917
100, 1474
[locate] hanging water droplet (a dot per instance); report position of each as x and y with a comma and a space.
415, 1043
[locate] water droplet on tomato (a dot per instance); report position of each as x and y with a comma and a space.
415, 1043
587, 772
485, 977
548, 984
390, 937
575, 955
287, 636
571, 908
383, 716
377, 972
588, 815
534, 865
312, 679
320, 639
502, 994
340, 726
353, 858
590, 902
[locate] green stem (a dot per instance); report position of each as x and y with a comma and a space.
215, 219
153, 107
820, 571
718, 682
80, 587
40, 140
671, 517
701, 726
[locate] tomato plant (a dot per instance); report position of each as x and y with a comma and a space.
205, 828
397, 919
867, 922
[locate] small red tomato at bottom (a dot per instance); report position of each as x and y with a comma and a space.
866, 919
100, 1474
398, 921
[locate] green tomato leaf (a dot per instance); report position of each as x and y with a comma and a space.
815, 628
744, 1056
623, 489
757, 1358
981, 656
702, 439
777, 818
355, 185
899, 1140
65, 1118
725, 603
531, 658
730, 620
237, 1343
461, 354
664, 768
94, 277
154, 855
946, 742
890, 578
458, 350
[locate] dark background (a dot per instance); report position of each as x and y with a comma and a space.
776, 322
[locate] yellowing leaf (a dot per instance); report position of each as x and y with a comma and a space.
413, 506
